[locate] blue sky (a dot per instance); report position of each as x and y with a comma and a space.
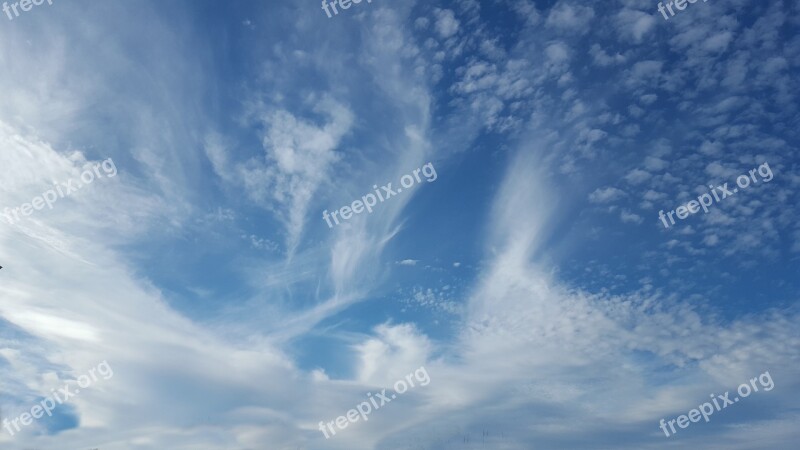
532, 278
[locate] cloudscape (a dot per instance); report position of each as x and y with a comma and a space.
399, 225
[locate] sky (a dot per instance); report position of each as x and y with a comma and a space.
183, 188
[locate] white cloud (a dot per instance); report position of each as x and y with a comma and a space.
299, 157
634, 23
568, 17
603, 59
655, 164
629, 217
446, 23
606, 195
557, 52
637, 176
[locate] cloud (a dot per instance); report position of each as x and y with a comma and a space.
637, 176
393, 350
446, 23
635, 24
579, 336
299, 156
603, 59
606, 195
629, 217
565, 16
163, 270
653, 164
